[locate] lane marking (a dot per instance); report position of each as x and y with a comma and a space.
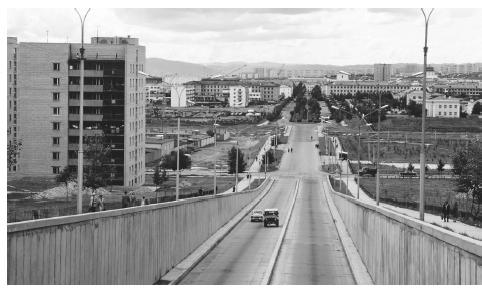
274, 257
183, 268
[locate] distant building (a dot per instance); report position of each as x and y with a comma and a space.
345, 87
417, 96
382, 72
443, 106
114, 105
285, 90
342, 76
238, 96
458, 89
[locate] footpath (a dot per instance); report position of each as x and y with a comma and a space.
457, 227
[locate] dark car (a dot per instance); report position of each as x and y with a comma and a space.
271, 217
408, 174
368, 171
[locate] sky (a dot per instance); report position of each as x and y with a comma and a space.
308, 36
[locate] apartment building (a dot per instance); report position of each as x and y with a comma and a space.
353, 87
114, 105
382, 72
458, 89
12, 128
238, 96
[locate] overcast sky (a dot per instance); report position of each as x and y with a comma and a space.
310, 36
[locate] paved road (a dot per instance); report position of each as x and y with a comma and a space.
311, 252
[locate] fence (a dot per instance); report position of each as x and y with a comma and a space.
128, 246
400, 250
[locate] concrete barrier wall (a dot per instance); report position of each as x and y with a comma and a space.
127, 246
399, 250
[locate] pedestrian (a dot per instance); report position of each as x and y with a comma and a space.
447, 210
132, 199
443, 212
125, 200
455, 212
143, 201
93, 202
100, 204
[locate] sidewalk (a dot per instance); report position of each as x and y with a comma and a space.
456, 227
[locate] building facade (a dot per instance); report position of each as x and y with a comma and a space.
443, 106
382, 72
114, 105
353, 87
12, 128
238, 96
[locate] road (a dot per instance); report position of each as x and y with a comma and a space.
311, 252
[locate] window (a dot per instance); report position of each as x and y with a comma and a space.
439, 113
56, 96
55, 156
445, 106
56, 66
56, 141
56, 81
56, 125
450, 106
56, 110
56, 170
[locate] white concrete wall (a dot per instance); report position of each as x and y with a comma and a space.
127, 246
400, 250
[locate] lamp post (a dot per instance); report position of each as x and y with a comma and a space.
215, 156
422, 148
378, 147
80, 157
363, 116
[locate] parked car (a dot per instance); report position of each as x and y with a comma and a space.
257, 216
368, 171
271, 217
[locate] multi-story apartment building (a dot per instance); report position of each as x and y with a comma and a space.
353, 87
114, 105
285, 90
382, 72
238, 96
12, 128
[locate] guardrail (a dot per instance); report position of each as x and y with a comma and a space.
401, 250
127, 246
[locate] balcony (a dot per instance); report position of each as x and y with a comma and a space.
87, 88
87, 73
87, 102
87, 132
87, 117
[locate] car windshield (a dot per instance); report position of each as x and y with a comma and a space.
258, 212
270, 213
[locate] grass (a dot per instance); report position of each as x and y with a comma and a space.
31, 184
335, 184
472, 124
278, 154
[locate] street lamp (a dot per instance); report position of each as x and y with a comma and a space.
237, 157
80, 157
422, 148
363, 116
215, 156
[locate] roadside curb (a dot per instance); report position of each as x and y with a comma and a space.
274, 257
358, 268
176, 274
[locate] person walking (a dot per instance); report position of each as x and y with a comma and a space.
443, 212
93, 202
143, 201
447, 211
100, 204
455, 212
125, 200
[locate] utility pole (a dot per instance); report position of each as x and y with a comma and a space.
237, 156
80, 156
422, 148
358, 170
378, 146
177, 173
215, 156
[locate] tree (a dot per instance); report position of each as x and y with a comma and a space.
13, 149
410, 167
467, 164
477, 108
65, 176
210, 132
98, 161
157, 180
316, 93
170, 161
271, 158
440, 166
414, 109
232, 161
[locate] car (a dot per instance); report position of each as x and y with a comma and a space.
257, 216
368, 171
271, 217
407, 174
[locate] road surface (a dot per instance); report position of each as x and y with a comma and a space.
311, 252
